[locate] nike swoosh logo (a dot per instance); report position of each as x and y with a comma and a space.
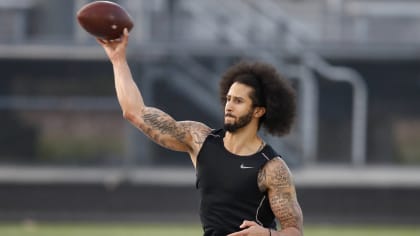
246, 167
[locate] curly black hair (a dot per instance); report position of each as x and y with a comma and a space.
271, 91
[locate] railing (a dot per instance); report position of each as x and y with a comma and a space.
239, 42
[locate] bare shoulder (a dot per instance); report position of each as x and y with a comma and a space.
275, 173
198, 131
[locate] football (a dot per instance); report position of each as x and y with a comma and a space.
104, 19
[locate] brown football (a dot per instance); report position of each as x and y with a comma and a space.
104, 19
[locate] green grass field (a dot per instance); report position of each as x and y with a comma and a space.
34, 229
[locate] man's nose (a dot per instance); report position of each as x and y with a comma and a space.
228, 107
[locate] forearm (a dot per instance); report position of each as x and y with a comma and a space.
159, 126
128, 94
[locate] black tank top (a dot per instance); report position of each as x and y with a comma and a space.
229, 189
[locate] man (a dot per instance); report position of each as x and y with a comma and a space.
244, 184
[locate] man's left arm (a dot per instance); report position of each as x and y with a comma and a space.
276, 177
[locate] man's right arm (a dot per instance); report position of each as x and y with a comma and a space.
185, 136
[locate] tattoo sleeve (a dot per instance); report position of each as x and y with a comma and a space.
198, 131
162, 124
276, 178
167, 132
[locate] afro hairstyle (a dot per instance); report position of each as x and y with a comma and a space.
270, 90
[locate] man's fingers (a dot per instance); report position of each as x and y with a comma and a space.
250, 228
247, 223
100, 41
124, 37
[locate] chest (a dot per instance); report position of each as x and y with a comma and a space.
219, 171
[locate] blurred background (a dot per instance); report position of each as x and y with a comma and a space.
66, 153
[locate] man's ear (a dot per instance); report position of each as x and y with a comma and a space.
259, 112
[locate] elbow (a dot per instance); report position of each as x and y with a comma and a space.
128, 115
133, 114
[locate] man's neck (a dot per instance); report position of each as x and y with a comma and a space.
242, 142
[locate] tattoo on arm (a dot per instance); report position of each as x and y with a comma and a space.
282, 195
285, 208
162, 129
165, 124
281, 177
198, 131
165, 131
262, 184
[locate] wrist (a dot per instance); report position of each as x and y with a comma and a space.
118, 60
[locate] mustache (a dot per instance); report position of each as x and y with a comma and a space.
229, 115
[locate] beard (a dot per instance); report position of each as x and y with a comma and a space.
242, 122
